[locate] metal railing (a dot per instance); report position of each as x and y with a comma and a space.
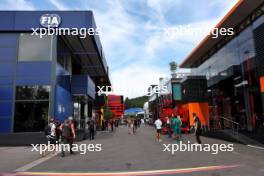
234, 126
220, 122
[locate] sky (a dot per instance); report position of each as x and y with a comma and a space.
138, 36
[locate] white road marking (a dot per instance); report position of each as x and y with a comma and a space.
150, 172
36, 162
257, 147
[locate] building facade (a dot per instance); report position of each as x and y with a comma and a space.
234, 65
48, 76
116, 105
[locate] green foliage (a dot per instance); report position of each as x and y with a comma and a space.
137, 102
173, 66
130, 117
108, 114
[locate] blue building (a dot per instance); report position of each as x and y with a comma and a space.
50, 75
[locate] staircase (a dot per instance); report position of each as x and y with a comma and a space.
228, 130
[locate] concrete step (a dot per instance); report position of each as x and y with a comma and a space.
228, 135
28, 138
244, 139
220, 134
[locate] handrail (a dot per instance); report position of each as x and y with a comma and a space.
229, 120
234, 125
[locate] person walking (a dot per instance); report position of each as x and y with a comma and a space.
112, 125
176, 127
168, 125
258, 122
142, 122
197, 128
138, 122
58, 132
50, 131
180, 126
158, 125
68, 134
130, 127
135, 126
106, 125
91, 129
116, 123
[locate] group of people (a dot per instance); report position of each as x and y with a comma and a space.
174, 124
110, 124
134, 124
65, 132
57, 132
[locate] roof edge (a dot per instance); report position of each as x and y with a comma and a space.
183, 64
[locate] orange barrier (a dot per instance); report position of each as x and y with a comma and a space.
201, 110
261, 80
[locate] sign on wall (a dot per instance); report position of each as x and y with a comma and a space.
50, 20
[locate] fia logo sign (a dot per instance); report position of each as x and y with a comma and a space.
50, 20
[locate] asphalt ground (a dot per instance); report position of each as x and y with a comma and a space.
122, 152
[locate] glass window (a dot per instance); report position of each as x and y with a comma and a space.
176, 92
31, 116
31, 108
32, 92
34, 48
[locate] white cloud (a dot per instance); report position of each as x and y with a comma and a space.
133, 46
16, 5
59, 5
133, 39
175, 37
134, 79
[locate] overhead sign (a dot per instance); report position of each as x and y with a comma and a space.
50, 20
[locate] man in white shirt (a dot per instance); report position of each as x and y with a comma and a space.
142, 122
158, 125
52, 132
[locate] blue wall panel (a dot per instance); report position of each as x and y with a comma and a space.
5, 125
63, 104
33, 81
6, 81
8, 39
7, 54
79, 84
64, 81
34, 69
79, 90
83, 84
7, 24
6, 93
5, 108
7, 69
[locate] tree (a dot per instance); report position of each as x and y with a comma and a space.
173, 69
137, 102
108, 114
173, 66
